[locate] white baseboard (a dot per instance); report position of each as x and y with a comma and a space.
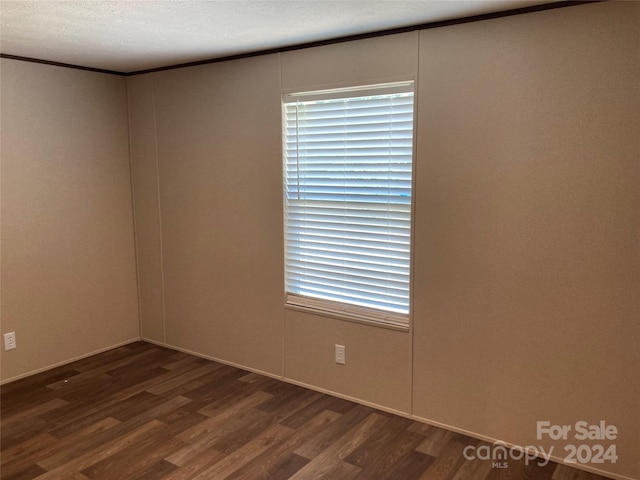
427, 421
71, 360
410, 416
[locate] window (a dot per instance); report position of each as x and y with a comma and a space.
348, 158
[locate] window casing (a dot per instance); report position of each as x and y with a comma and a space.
348, 163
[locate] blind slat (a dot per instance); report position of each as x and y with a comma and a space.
348, 159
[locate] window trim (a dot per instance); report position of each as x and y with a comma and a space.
342, 310
356, 314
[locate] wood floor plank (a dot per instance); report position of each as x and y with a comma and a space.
250, 377
341, 470
31, 471
473, 469
180, 380
141, 456
239, 435
376, 446
221, 382
218, 416
193, 465
100, 453
410, 467
184, 361
340, 405
274, 462
23, 388
64, 450
435, 441
18, 432
157, 471
272, 436
132, 406
327, 438
183, 418
323, 462
187, 455
27, 448
135, 388
229, 405
328, 470
81, 378
148, 359
281, 470
291, 400
36, 410
145, 412
389, 454
66, 421
19, 460
447, 463
206, 439
309, 411
225, 392
99, 362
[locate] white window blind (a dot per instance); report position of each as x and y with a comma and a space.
348, 158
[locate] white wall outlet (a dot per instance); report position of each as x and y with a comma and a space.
10, 341
341, 354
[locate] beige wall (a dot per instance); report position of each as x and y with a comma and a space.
68, 268
217, 134
527, 273
526, 223
144, 174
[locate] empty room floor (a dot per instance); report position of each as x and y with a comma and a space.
146, 412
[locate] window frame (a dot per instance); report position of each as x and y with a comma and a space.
338, 309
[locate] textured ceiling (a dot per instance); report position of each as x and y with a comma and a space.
128, 36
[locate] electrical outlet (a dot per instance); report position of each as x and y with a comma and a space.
341, 354
10, 341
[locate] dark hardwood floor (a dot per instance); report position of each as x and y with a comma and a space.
146, 412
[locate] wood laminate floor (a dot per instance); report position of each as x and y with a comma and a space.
145, 412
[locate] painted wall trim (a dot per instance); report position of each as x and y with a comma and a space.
484, 438
60, 64
214, 359
70, 360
